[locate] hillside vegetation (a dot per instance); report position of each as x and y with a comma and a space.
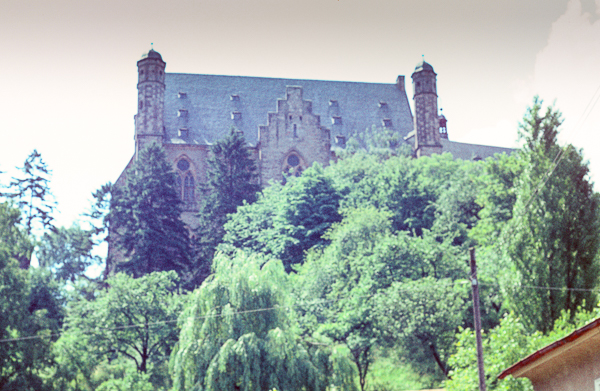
351, 276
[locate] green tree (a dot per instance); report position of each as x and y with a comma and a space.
133, 320
32, 192
236, 334
232, 181
503, 346
24, 334
145, 218
287, 219
406, 187
554, 235
67, 252
497, 195
376, 287
99, 213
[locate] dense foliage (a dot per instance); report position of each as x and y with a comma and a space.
145, 218
286, 220
231, 182
132, 321
236, 334
350, 276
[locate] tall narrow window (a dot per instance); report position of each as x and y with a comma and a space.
188, 188
179, 187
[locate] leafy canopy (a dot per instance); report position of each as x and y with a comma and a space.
237, 334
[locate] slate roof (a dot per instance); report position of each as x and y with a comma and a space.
466, 151
209, 105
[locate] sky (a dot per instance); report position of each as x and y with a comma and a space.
69, 67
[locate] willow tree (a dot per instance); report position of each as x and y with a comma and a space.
236, 334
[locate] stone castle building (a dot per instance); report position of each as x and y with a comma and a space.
288, 124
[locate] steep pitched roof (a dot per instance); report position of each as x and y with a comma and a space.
466, 151
209, 105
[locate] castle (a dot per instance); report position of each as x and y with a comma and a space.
288, 124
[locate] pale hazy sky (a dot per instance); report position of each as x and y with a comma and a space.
69, 66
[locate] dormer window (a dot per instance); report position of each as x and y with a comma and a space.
236, 115
333, 103
183, 113
183, 132
234, 97
336, 120
387, 123
382, 104
182, 95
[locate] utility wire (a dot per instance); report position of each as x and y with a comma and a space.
558, 158
273, 308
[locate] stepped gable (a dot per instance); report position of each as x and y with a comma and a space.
215, 103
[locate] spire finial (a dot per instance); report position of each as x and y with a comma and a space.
151, 45
423, 57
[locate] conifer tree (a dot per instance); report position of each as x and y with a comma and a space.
231, 182
31, 193
145, 215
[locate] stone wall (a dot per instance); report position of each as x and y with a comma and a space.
292, 140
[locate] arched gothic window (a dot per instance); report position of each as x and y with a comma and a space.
186, 185
188, 188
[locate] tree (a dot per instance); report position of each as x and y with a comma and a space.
232, 181
287, 219
99, 212
24, 335
145, 218
236, 334
496, 197
377, 286
133, 320
554, 235
32, 192
67, 252
503, 346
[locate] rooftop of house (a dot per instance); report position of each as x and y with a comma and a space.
570, 349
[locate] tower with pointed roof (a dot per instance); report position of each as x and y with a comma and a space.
149, 124
427, 134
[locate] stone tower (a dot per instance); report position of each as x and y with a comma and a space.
149, 125
427, 134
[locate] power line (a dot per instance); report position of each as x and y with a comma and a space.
558, 158
273, 308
